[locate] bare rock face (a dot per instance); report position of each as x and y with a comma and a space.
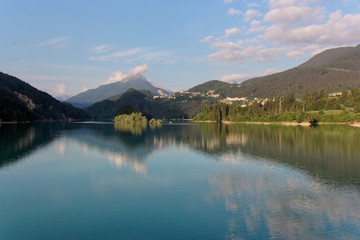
25, 99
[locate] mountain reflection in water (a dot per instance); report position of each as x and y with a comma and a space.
331, 153
217, 181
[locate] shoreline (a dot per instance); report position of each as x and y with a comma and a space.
43, 120
303, 124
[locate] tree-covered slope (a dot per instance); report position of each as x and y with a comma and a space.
19, 101
178, 106
107, 109
210, 85
299, 81
331, 71
331, 56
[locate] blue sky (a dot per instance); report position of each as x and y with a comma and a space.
66, 47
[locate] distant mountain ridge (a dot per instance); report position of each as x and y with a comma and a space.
332, 56
332, 70
137, 82
179, 105
19, 101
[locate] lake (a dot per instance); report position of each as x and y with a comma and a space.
179, 181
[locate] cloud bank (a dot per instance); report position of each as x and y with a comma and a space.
287, 28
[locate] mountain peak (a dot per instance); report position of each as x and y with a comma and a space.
135, 81
136, 76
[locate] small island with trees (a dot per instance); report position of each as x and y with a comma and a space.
134, 123
136, 118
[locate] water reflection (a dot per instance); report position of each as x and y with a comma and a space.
122, 159
19, 140
286, 206
131, 128
331, 153
259, 181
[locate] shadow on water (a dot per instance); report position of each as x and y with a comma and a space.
19, 140
331, 153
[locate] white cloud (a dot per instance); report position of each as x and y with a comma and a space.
237, 77
289, 27
257, 30
85, 88
207, 39
101, 48
60, 89
270, 71
134, 55
233, 12
316, 49
264, 54
255, 23
118, 76
251, 14
118, 55
285, 3
295, 53
55, 42
227, 45
238, 52
228, 1
232, 32
338, 30
281, 3
139, 69
151, 56
293, 15
230, 52
249, 5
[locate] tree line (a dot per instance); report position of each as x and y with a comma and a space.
313, 107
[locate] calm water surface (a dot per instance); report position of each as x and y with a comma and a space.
179, 181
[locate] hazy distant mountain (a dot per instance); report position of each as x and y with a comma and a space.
332, 71
20, 101
137, 81
107, 109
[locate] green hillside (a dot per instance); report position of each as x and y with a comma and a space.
331, 56
19, 101
107, 109
332, 71
299, 81
210, 85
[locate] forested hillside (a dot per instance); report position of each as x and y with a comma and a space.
19, 101
178, 106
332, 71
314, 107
